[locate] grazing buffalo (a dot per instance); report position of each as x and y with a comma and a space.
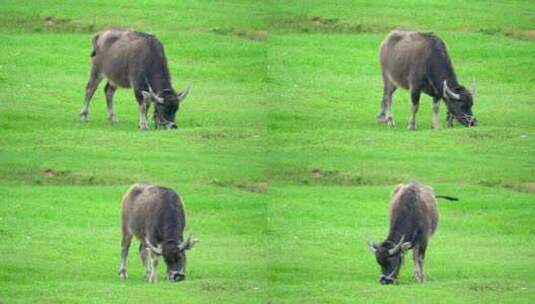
134, 60
155, 215
413, 219
420, 62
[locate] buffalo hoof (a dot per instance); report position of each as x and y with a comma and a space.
390, 122
83, 118
123, 274
177, 277
419, 279
385, 281
411, 127
113, 120
381, 118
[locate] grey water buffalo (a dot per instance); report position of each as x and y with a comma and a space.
134, 60
413, 220
155, 215
419, 62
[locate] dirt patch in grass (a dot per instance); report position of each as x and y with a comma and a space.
254, 35
250, 186
527, 187
64, 25
528, 35
51, 24
50, 176
488, 287
318, 24
332, 177
522, 35
61, 177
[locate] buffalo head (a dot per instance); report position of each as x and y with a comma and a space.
167, 103
459, 101
174, 255
390, 257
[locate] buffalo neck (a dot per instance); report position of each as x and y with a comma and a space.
439, 71
399, 230
171, 229
159, 82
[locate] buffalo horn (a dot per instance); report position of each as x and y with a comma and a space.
449, 92
397, 247
182, 95
152, 248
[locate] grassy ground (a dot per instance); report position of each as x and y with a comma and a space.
282, 166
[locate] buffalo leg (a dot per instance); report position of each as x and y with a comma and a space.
142, 106
109, 90
153, 277
449, 119
418, 256
125, 245
144, 254
415, 102
91, 87
385, 115
436, 118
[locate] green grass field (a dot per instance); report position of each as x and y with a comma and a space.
281, 163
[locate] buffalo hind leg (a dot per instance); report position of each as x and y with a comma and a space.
385, 114
415, 104
418, 256
125, 245
109, 90
91, 87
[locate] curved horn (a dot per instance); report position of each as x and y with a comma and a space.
448, 92
187, 244
155, 250
397, 247
184, 93
151, 95
474, 86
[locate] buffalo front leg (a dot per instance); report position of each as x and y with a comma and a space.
125, 245
143, 121
143, 107
385, 114
436, 118
153, 276
91, 87
144, 254
415, 104
109, 90
418, 256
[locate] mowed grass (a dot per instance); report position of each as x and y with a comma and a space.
283, 169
